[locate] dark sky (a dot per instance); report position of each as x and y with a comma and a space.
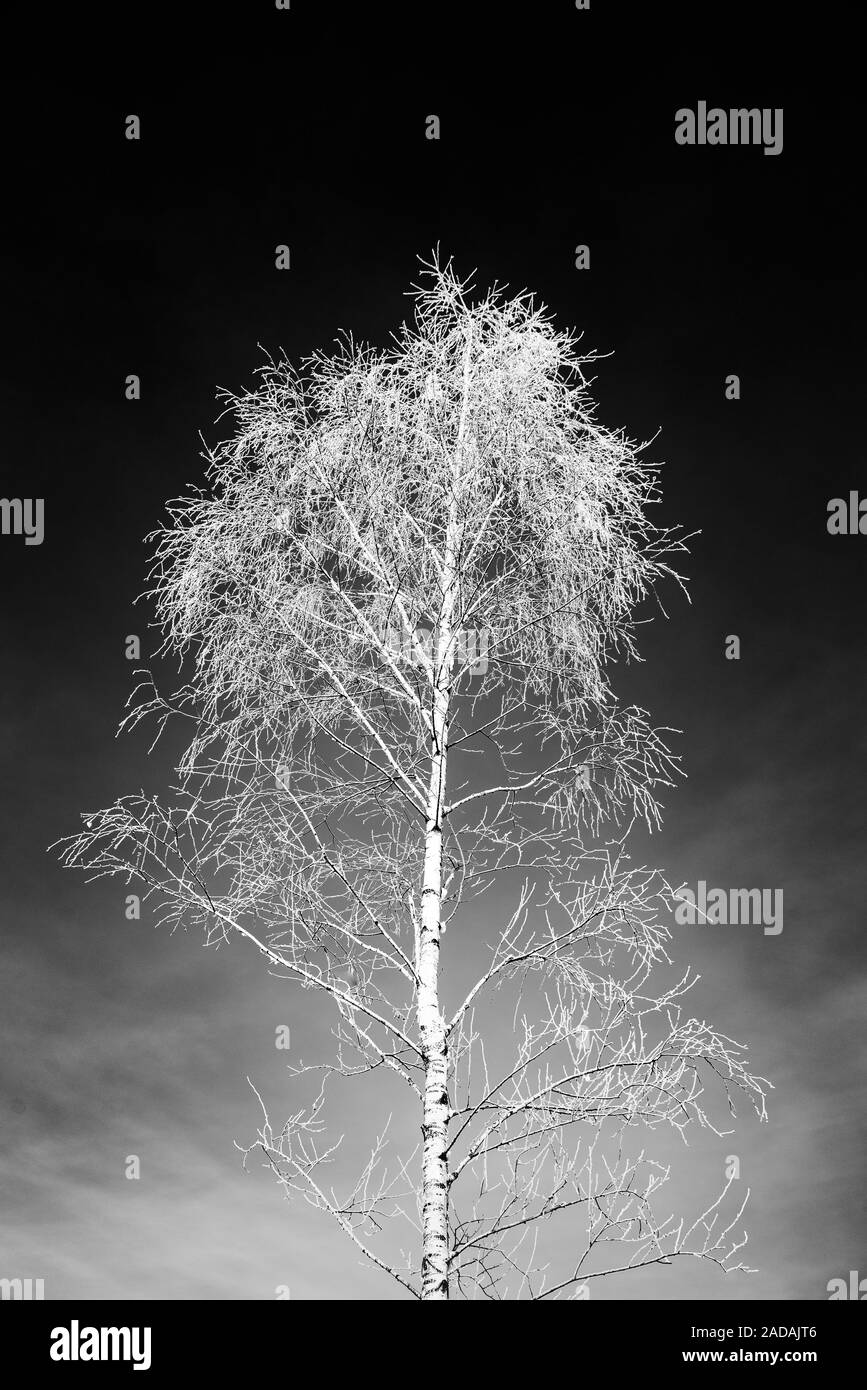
157, 258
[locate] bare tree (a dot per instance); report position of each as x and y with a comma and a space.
359, 776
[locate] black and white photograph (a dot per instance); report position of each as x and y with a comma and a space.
434, 524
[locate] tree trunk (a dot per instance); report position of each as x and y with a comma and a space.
435, 1188
435, 1122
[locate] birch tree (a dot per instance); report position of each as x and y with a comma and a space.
396, 603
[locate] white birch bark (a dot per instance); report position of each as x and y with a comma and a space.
435, 1254
432, 1027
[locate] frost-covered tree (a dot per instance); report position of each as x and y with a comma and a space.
397, 600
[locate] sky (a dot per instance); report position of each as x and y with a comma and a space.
157, 258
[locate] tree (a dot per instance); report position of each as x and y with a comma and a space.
397, 603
